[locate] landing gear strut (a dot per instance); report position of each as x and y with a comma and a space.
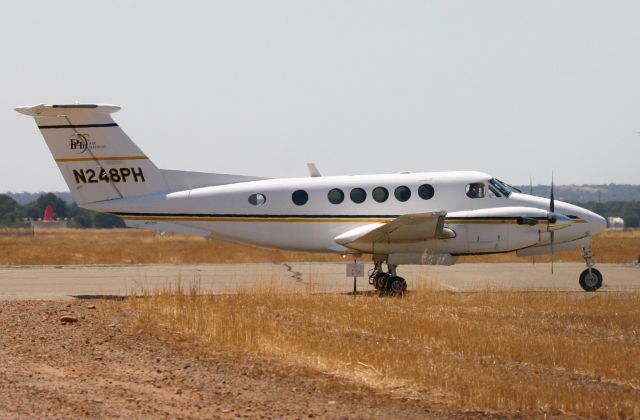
590, 279
388, 282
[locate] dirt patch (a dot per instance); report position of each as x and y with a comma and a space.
103, 366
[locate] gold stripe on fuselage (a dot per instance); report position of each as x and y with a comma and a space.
253, 219
497, 222
98, 158
312, 220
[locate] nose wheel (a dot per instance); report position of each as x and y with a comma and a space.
590, 279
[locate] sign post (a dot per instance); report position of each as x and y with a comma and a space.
355, 270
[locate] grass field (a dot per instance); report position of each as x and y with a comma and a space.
531, 354
507, 353
129, 246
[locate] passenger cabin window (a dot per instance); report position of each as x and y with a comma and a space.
380, 194
425, 191
257, 199
358, 195
300, 197
475, 190
402, 193
335, 196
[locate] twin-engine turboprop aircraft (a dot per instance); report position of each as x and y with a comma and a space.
405, 218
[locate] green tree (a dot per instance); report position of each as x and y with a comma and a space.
628, 210
108, 221
10, 212
82, 218
35, 210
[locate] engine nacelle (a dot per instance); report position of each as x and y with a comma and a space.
499, 229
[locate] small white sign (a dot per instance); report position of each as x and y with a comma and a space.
355, 270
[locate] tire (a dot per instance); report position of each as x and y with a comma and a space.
590, 282
396, 286
380, 281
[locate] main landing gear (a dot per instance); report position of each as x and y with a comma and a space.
388, 282
590, 279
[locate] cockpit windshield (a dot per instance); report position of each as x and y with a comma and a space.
503, 187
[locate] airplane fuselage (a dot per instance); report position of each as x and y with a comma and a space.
485, 224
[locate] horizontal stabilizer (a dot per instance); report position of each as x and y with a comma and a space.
71, 110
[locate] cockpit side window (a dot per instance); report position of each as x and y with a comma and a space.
503, 187
494, 191
475, 190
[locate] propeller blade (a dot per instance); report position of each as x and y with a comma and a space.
552, 207
552, 204
533, 258
552, 241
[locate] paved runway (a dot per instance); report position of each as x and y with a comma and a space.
68, 282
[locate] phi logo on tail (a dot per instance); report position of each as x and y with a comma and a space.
79, 142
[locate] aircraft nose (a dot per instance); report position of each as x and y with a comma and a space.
596, 222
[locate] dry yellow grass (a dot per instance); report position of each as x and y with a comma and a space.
532, 353
129, 246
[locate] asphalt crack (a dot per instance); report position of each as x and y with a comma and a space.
297, 275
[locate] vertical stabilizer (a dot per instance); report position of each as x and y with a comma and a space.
97, 159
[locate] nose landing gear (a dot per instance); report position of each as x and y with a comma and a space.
388, 282
590, 279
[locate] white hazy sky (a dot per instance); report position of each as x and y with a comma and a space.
512, 88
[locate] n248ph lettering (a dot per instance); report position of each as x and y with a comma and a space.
92, 176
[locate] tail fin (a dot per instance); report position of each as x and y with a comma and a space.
97, 159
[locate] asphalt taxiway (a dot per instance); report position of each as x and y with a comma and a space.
69, 282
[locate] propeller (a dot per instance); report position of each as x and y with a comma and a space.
555, 221
533, 258
552, 219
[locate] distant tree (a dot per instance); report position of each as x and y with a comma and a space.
82, 218
35, 210
10, 212
108, 221
632, 221
628, 210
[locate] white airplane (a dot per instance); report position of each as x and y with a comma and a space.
405, 218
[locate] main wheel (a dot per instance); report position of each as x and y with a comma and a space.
380, 280
396, 285
590, 281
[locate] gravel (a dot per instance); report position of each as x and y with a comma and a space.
102, 364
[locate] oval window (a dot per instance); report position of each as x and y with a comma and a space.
402, 193
380, 194
425, 191
300, 197
358, 195
257, 199
336, 196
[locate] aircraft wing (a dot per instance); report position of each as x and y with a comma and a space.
417, 227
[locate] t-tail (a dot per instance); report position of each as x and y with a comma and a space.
97, 159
